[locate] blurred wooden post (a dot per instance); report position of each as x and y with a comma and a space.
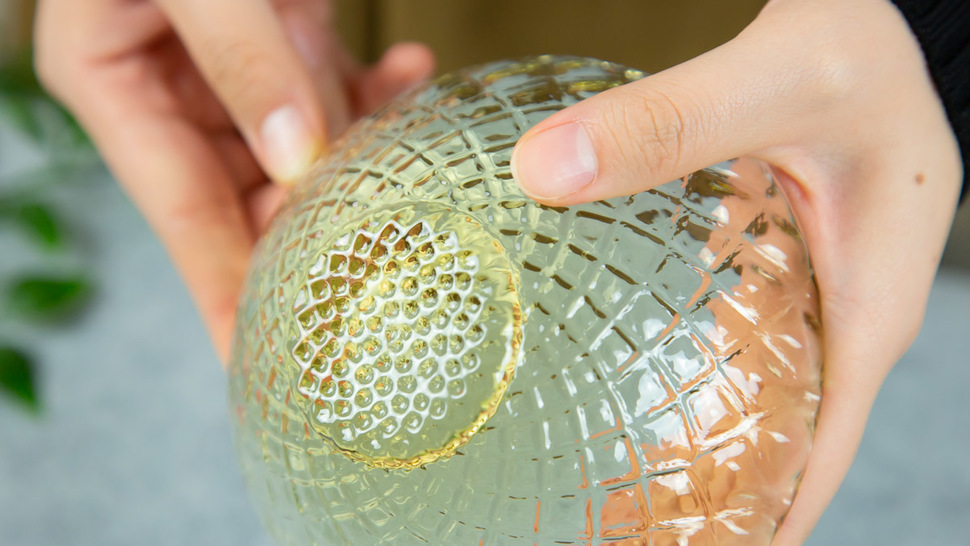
16, 21
646, 34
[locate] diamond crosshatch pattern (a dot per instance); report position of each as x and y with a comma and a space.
660, 388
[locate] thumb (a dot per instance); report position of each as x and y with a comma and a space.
718, 106
242, 50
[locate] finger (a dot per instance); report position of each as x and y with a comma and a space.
255, 70
70, 37
242, 167
176, 178
189, 200
194, 99
402, 65
263, 202
872, 308
74, 38
841, 422
309, 25
723, 104
859, 352
169, 169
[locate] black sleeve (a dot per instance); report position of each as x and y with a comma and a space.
943, 30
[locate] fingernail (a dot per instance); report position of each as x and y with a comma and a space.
288, 146
556, 162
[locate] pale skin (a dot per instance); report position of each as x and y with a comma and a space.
833, 93
191, 115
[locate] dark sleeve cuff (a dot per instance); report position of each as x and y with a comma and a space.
943, 30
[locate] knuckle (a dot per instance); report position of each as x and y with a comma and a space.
655, 126
46, 74
832, 79
191, 216
43, 58
49, 69
58, 61
835, 67
669, 125
235, 68
835, 61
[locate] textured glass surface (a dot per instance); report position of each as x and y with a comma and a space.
425, 356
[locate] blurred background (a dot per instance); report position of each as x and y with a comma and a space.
113, 422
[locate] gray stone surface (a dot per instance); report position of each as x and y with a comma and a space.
133, 446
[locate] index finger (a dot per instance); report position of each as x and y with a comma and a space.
244, 54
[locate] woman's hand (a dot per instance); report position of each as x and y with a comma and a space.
193, 102
836, 96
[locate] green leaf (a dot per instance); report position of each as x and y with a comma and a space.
39, 221
17, 377
48, 298
17, 77
7, 204
20, 112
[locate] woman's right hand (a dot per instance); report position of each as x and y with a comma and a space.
197, 106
